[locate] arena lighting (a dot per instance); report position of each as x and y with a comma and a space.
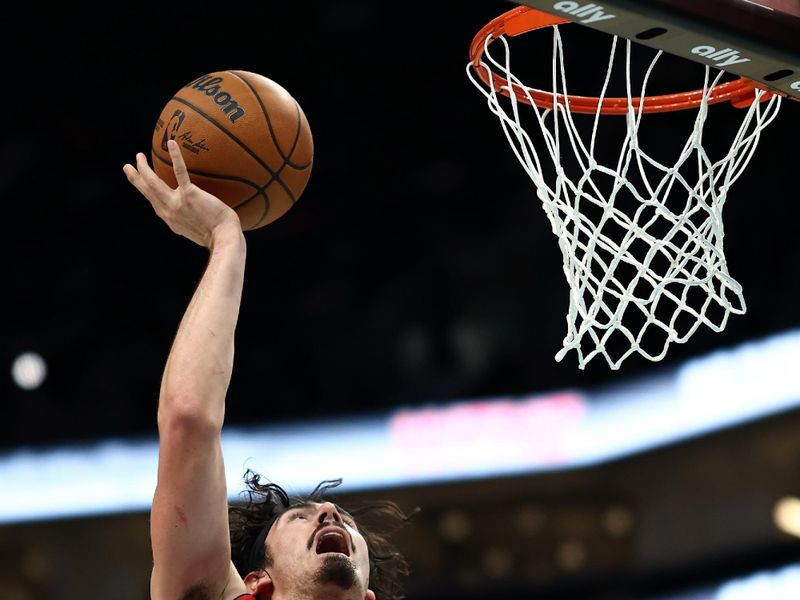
455, 441
28, 370
787, 515
782, 583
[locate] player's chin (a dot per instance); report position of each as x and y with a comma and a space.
336, 569
333, 559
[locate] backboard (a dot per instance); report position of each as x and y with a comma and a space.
757, 39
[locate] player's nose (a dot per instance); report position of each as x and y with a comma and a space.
327, 511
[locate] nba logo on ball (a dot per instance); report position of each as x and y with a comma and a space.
244, 139
171, 130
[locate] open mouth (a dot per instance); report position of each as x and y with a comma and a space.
333, 539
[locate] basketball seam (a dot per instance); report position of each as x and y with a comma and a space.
262, 191
286, 157
272, 173
276, 175
263, 111
276, 144
264, 214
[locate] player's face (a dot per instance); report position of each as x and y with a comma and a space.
318, 545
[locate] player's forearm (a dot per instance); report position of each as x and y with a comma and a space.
199, 367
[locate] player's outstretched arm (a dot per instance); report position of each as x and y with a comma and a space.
189, 519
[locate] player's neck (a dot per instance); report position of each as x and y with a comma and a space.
326, 593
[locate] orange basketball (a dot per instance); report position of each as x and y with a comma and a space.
244, 139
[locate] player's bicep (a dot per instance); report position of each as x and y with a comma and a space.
189, 519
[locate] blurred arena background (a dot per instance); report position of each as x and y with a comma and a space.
398, 325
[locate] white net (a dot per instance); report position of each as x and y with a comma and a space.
642, 241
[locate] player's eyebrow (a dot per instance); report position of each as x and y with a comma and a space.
312, 505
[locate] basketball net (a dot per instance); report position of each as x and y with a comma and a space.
641, 267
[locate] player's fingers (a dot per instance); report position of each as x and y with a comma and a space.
178, 165
133, 177
139, 183
130, 172
153, 183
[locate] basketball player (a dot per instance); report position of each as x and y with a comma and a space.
274, 547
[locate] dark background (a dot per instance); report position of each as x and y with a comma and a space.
417, 267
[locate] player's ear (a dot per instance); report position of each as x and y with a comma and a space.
370, 595
259, 584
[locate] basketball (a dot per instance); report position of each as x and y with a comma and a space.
244, 139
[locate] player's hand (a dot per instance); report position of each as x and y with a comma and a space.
188, 210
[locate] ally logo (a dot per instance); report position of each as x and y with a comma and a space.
722, 58
585, 13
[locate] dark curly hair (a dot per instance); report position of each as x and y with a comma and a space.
266, 502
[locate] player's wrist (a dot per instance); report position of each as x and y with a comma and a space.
227, 233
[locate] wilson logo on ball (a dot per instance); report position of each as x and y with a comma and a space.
210, 87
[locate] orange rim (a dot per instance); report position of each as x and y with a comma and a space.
523, 19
